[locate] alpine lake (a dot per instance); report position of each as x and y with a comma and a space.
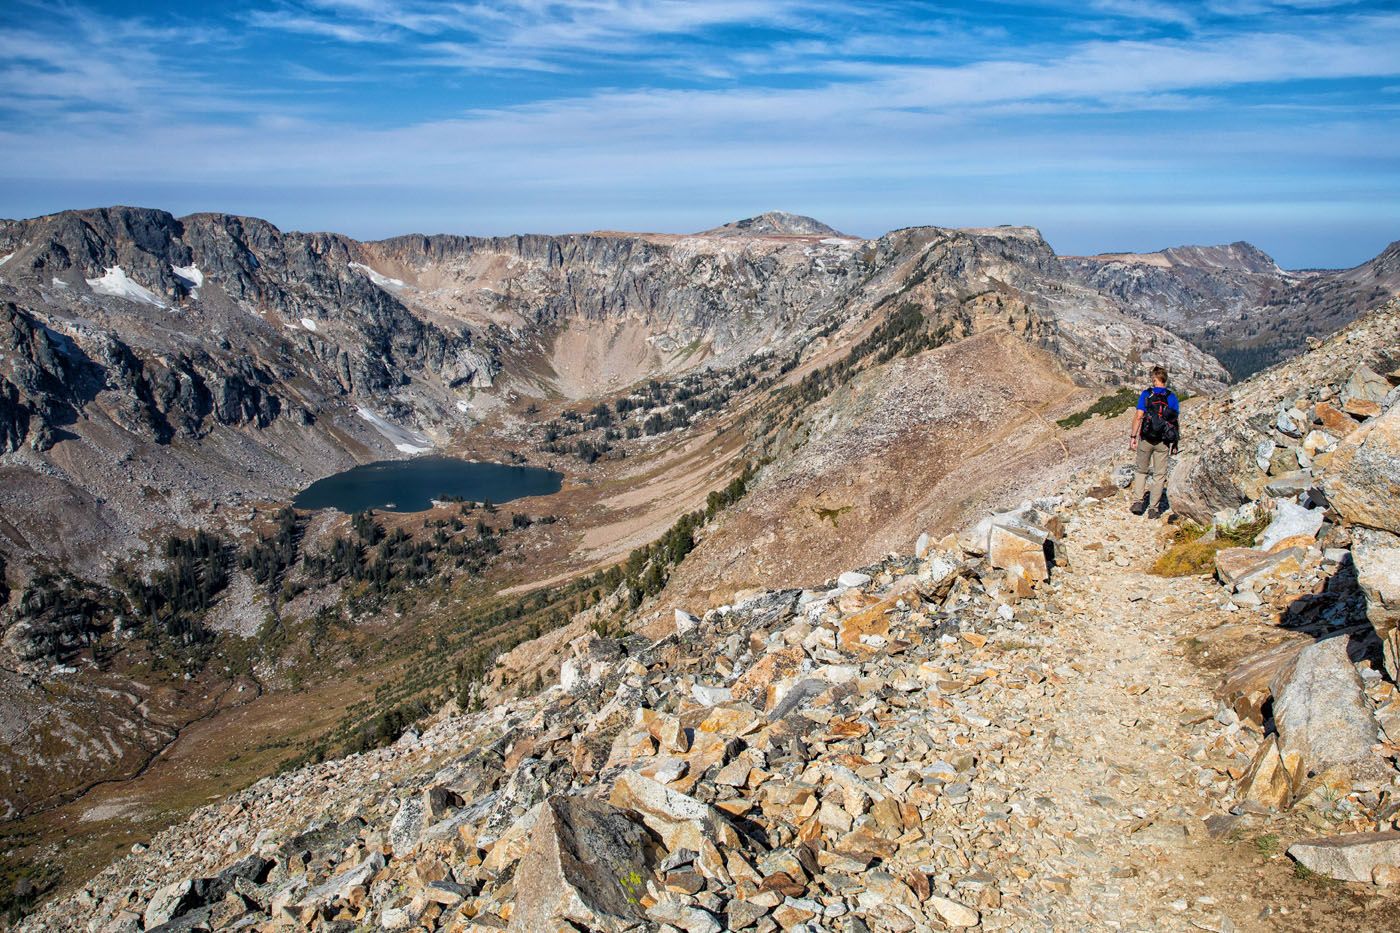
412, 485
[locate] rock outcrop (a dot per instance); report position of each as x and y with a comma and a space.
1230, 449
1363, 474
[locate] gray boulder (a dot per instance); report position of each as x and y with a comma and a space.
1215, 473
1325, 725
1376, 556
1365, 385
1363, 477
407, 826
170, 902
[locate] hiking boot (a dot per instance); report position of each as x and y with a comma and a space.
1137, 508
1159, 511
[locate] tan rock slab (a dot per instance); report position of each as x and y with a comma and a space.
1268, 784
1334, 421
753, 685
680, 820
1363, 476
1018, 549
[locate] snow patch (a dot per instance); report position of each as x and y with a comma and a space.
463, 406
59, 283
116, 284
191, 276
838, 241
6, 258
404, 440
308, 324
383, 281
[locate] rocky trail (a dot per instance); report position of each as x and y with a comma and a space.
1127, 816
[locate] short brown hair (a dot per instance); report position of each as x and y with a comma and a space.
1159, 374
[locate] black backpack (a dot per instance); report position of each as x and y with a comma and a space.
1159, 421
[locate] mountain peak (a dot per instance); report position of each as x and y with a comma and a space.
775, 223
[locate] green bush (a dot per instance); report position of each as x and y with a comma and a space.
1109, 406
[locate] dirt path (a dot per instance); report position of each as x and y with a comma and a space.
1117, 771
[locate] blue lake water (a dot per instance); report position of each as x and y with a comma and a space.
411, 485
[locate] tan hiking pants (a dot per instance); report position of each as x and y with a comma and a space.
1151, 462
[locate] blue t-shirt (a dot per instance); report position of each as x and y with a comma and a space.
1172, 403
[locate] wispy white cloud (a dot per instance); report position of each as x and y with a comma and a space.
318, 26
1160, 11
75, 63
545, 35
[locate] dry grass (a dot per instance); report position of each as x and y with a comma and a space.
1193, 550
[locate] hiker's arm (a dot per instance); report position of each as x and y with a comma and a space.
1137, 429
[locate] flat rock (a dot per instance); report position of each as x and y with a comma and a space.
753, 686
1333, 420
1232, 563
953, 913
1277, 565
1290, 483
684, 917
1019, 549
680, 820
1365, 384
1349, 856
866, 631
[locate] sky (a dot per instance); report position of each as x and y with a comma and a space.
1109, 124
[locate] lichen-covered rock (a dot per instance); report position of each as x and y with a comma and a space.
586, 865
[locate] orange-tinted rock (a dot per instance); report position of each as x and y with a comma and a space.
753, 685
1335, 422
866, 631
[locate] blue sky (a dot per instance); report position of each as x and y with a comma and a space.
1109, 124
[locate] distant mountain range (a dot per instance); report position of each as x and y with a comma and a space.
1234, 301
215, 355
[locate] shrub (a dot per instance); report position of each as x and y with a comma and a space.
1110, 406
1193, 550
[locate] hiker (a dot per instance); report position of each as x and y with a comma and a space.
1155, 435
